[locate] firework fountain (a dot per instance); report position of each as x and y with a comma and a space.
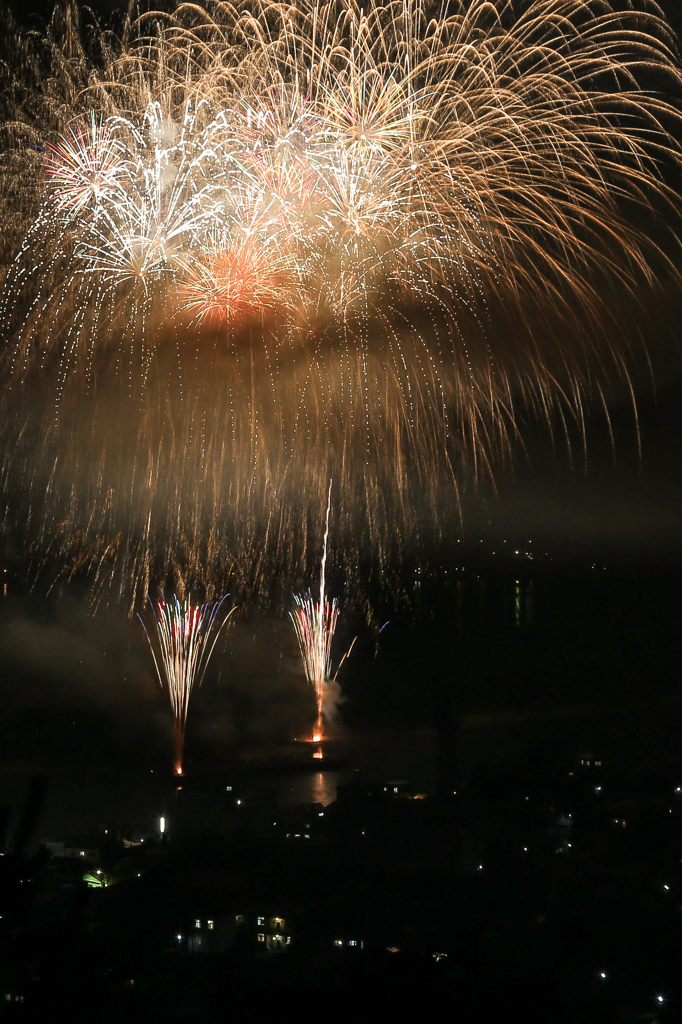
185, 636
245, 249
315, 625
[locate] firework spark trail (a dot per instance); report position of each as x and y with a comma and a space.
186, 635
315, 625
262, 246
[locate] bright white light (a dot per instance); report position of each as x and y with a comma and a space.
603, 974
239, 803
660, 999
667, 887
162, 824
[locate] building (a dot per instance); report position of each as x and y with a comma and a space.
84, 851
264, 928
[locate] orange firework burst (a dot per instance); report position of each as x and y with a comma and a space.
238, 283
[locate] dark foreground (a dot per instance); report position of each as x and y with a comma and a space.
542, 891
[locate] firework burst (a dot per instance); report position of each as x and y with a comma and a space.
185, 636
315, 624
251, 249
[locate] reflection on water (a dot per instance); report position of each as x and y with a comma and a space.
324, 787
292, 790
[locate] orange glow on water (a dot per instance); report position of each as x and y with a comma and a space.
318, 755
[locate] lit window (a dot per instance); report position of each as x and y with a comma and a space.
352, 942
338, 942
228, 789
82, 853
260, 920
261, 937
197, 923
210, 925
288, 939
239, 919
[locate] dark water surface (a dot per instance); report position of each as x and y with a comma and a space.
624, 737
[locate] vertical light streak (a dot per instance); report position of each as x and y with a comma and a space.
315, 624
